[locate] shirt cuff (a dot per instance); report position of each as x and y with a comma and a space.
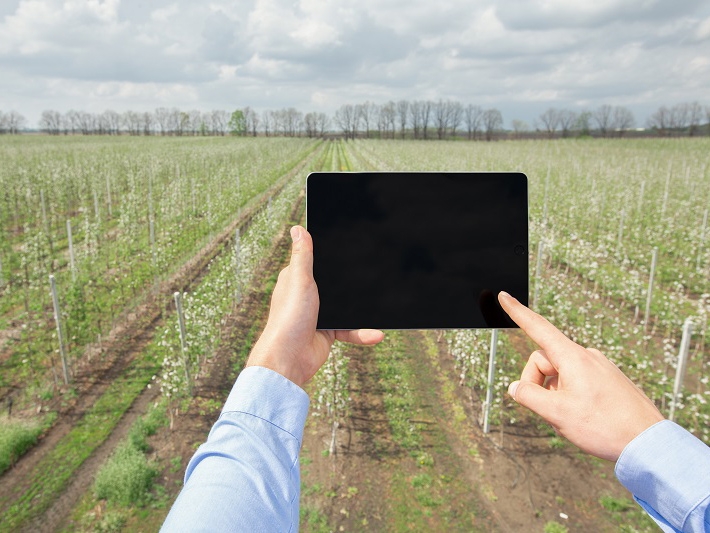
266, 394
666, 469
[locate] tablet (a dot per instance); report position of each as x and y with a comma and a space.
417, 250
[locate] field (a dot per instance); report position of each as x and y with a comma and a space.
101, 414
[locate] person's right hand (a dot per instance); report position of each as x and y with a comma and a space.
582, 394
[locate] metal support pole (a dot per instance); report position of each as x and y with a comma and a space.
491, 379
60, 336
649, 292
621, 228
538, 268
72, 264
183, 340
682, 364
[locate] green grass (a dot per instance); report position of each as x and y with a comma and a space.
314, 521
53, 472
555, 527
396, 376
17, 436
126, 478
626, 514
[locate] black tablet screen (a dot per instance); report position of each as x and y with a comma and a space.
399, 250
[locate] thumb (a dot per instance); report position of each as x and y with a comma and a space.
535, 397
301, 251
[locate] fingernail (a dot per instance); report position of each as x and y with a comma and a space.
513, 388
505, 295
295, 234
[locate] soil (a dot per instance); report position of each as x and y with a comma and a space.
509, 480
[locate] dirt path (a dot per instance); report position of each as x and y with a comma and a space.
526, 476
349, 489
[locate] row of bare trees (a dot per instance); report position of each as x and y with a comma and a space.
164, 121
288, 122
608, 121
173, 121
420, 119
680, 118
605, 120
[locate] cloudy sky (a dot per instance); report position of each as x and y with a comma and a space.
521, 56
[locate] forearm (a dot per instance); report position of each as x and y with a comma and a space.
668, 471
246, 476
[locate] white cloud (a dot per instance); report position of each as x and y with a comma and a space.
315, 54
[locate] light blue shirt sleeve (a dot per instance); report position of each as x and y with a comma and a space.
667, 470
246, 476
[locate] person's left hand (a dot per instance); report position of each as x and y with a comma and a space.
290, 343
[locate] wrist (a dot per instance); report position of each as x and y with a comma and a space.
273, 360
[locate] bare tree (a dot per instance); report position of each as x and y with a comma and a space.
219, 119
661, 120
51, 122
415, 117
707, 117
266, 123
583, 123
492, 121
162, 118
695, 115
602, 116
12, 122
473, 115
567, 120
426, 107
131, 122
310, 122
441, 118
345, 118
112, 121
389, 110
679, 117
147, 122
402, 115
622, 120
323, 123
294, 121
367, 115
252, 120
550, 120
455, 116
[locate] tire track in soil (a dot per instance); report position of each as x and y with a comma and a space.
217, 378
365, 454
369, 460
125, 342
524, 482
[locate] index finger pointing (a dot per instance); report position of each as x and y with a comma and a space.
547, 336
